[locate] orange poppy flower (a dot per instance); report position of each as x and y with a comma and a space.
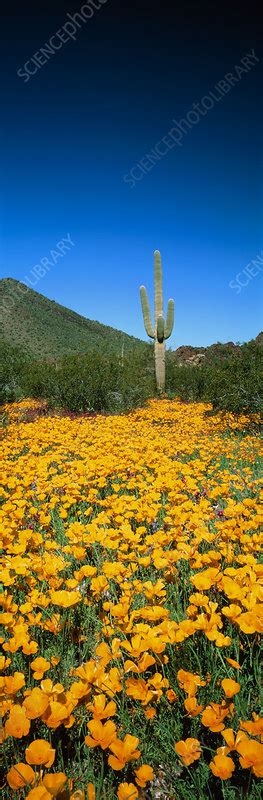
20, 775
65, 599
56, 714
232, 739
149, 713
222, 766
251, 756
251, 621
40, 752
143, 775
14, 682
111, 681
232, 612
192, 707
50, 689
17, 724
78, 690
39, 793
205, 579
99, 585
189, 681
101, 735
230, 687
233, 663
39, 666
188, 750
100, 708
144, 662
254, 727
91, 792
87, 571
54, 782
87, 672
213, 717
36, 703
232, 590
171, 696
123, 751
55, 660
139, 690
4, 662
127, 791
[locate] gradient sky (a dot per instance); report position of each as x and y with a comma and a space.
92, 112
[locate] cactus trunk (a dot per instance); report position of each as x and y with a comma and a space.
162, 329
159, 353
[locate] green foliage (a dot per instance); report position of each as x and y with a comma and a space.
83, 383
95, 382
232, 383
14, 364
236, 384
186, 382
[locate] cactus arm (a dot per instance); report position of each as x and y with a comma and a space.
160, 329
146, 313
169, 319
158, 290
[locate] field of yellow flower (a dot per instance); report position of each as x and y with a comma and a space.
131, 605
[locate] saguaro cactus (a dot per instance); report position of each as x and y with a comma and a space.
162, 329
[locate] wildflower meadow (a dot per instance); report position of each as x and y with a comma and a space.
132, 604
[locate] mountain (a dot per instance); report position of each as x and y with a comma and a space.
45, 329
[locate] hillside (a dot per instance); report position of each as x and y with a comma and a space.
45, 329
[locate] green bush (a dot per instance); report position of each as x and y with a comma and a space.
113, 383
92, 382
186, 381
14, 364
233, 383
236, 383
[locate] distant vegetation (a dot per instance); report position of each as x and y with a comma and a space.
233, 383
43, 358
93, 382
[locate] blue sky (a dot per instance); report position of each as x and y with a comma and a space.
87, 117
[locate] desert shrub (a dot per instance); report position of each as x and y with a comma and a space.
236, 383
90, 382
232, 383
14, 364
186, 381
112, 383
39, 380
136, 378
93, 382
83, 383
